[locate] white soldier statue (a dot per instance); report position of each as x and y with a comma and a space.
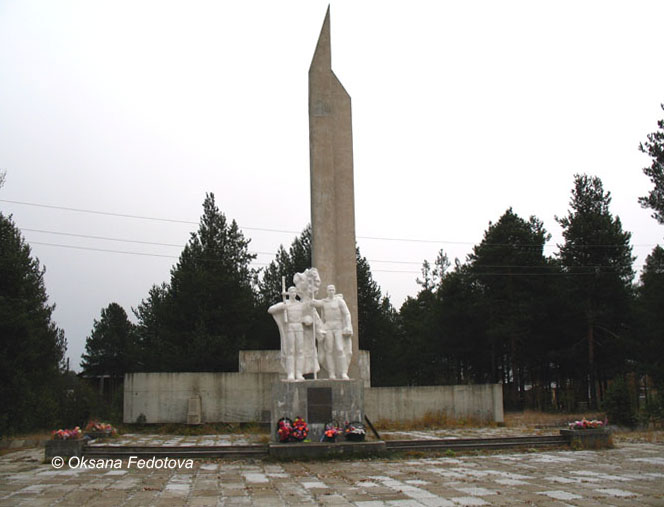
337, 342
297, 321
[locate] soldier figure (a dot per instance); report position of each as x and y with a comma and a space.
338, 332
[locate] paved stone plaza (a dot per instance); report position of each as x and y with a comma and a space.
630, 474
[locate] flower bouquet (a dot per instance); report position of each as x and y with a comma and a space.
74, 434
300, 430
96, 429
284, 429
355, 431
585, 424
330, 432
292, 431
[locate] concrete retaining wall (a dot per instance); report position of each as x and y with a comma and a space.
247, 397
225, 397
482, 401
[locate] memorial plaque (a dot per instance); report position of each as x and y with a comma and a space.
319, 404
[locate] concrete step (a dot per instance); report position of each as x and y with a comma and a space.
318, 449
221, 451
477, 443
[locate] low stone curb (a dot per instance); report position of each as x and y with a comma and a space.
20, 443
588, 439
327, 449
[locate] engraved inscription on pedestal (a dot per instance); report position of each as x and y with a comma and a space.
319, 404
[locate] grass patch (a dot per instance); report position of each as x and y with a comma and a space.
199, 429
38, 435
651, 436
535, 419
433, 421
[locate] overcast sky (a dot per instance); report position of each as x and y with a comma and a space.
460, 110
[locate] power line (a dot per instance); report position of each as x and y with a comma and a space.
105, 238
178, 245
419, 263
103, 250
138, 217
144, 254
88, 236
285, 231
106, 250
78, 210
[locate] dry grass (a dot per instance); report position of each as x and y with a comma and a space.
648, 436
38, 435
199, 429
431, 421
534, 419
30, 440
530, 419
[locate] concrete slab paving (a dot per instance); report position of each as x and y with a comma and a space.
630, 474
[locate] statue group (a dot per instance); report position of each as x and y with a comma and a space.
310, 339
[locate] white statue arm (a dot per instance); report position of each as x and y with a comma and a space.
348, 324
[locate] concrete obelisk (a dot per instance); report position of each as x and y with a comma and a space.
332, 189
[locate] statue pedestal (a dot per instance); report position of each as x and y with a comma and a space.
317, 402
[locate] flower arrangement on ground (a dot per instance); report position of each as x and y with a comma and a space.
300, 430
355, 431
73, 434
284, 428
100, 427
585, 424
331, 432
292, 431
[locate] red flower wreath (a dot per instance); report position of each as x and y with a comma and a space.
284, 429
331, 432
289, 431
300, 429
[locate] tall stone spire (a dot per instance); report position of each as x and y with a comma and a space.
332, 187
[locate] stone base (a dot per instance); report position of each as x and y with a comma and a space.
324, 450
64, 448
94, 435
588, 439
317, 402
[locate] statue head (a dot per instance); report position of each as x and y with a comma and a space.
331, 290
292, 292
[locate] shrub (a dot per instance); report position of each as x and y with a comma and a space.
618, 404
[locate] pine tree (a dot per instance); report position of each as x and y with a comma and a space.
597, 256
378, 328
32, 347
151, 330
111, 349
654, 147
650, 308
463, 322
285, 264
202, 318
508, 266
